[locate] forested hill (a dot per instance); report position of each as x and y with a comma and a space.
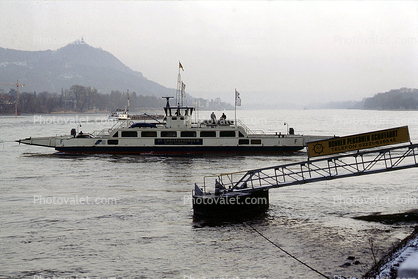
403, 98
76, 63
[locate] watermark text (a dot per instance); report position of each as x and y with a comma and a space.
75, 200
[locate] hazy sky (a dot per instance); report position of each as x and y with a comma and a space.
270, 51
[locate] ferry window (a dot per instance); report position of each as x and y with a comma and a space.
114, 142
115, 135
256, 141
243, 141
174, 118
169, 134
208, 134
129, 134
149, 134
188, 134
241, 135
227, 134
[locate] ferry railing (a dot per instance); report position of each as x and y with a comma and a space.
245, 127
117, 125
340, 166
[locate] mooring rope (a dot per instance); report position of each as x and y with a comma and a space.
287, 253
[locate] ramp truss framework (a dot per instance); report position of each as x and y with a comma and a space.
327, 168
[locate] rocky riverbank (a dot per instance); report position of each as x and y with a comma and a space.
387, 266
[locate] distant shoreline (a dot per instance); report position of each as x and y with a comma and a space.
157, 110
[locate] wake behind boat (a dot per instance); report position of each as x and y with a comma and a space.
176, 134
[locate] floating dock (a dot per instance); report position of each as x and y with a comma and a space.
240, 193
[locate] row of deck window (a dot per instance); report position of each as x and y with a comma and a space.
240, 141
173, 134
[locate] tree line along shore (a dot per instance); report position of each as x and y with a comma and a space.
81, 99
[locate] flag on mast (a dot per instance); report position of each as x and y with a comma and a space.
237, 98
181, 66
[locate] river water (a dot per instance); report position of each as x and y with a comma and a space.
103, 216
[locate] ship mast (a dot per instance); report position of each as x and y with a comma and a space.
181, 88
127, 93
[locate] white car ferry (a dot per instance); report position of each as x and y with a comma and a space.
177, 134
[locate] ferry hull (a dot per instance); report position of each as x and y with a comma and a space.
178, 150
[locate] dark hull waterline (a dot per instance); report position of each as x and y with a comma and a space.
178, 150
